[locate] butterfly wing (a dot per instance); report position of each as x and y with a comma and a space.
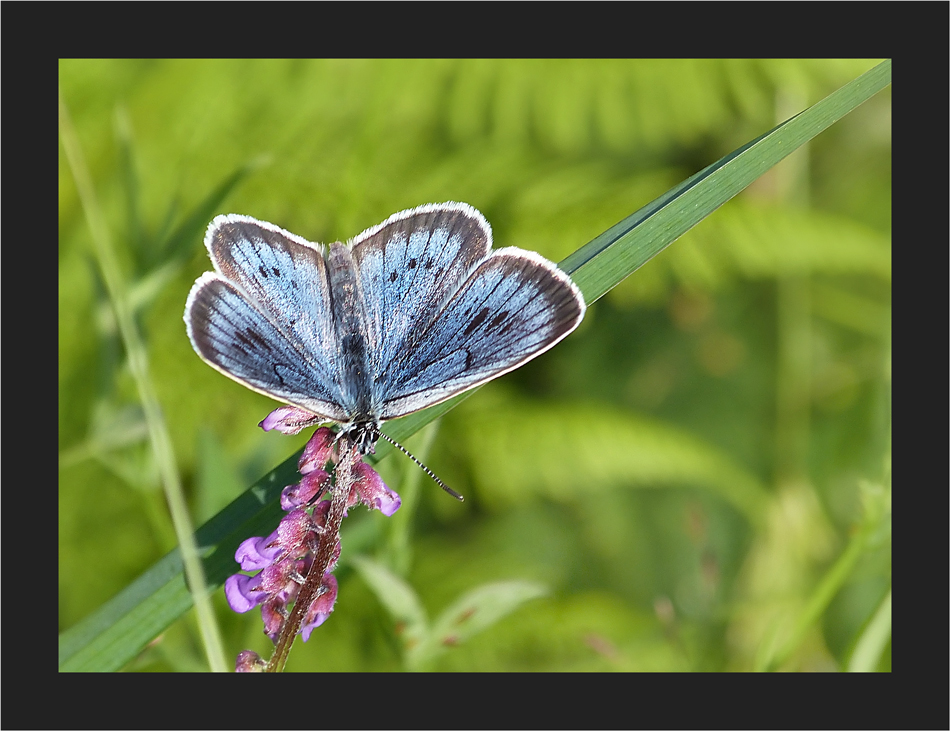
433, 309
407, 267
510, 308
263, 317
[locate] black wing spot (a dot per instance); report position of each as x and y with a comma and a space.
477, 321
263, 271
251, 340
413, 263
498, 319
393, 277
430, 262
276, 271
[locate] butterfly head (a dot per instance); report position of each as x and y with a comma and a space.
362, 434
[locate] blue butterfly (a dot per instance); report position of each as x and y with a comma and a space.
406, 315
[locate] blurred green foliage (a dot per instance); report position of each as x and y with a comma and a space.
700, 476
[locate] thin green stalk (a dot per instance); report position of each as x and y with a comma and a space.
821, 597
873, 641
138, 365
793, 386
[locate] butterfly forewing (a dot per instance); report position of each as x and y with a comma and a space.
283, 276
408, 267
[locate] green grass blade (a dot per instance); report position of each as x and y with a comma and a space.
472, 613
114, 634
398, 597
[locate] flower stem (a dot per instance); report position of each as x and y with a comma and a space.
312, 585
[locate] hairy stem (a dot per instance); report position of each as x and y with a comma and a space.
321, 562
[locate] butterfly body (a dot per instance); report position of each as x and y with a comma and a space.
408, 314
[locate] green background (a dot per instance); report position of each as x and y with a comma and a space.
684, 473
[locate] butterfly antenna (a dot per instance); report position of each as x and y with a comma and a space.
425, 469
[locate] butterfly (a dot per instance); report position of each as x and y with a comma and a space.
406, 315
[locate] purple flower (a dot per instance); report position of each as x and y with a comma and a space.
312, 484
317, 452
243, 592
276, 584
249, 661
321, 607
273, 614
256, 553
372, 491
284, 558
289, 420
295, 533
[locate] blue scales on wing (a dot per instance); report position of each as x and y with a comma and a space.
444, 313
283, 344
408, 266
513, 307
